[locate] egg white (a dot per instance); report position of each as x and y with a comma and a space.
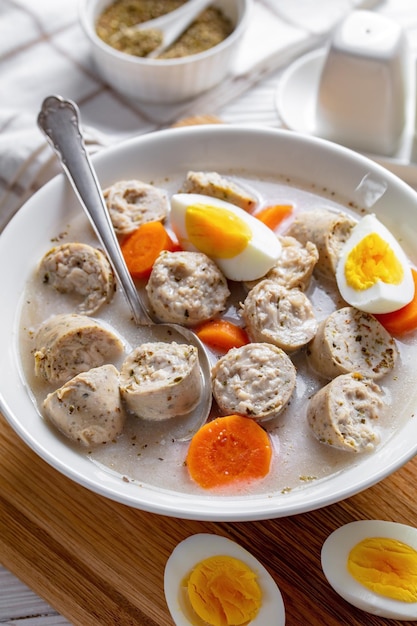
260, 254
380, 297
196, 548
334, 558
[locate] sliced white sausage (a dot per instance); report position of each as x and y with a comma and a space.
186, 288
344, 414
256, 380
161, 380
328, 230
68, 344
88, 408
216, 186
350, 340
295, 265
283, 317
80, 269
132, 202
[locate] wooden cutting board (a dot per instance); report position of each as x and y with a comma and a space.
100, 563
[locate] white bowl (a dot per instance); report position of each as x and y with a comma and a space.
168, 80
166, 156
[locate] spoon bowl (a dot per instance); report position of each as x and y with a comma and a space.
171, 25
59, 121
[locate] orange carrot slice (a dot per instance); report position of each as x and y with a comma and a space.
227, 450
405, 319
221, 335
141, 248
273, 215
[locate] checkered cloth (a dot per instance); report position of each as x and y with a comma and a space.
43, 51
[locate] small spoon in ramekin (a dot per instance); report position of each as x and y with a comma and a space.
171, 25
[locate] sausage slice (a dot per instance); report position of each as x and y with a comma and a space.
216, 186
295, 265
186, 288
284, 317
256, 380
81, 269
132, 202
68, 344
161, 380
328, 230
88, 409
350, 340
343, 414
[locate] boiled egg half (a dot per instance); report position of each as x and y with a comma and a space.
373, 565
212, 581
240, 244
373, 273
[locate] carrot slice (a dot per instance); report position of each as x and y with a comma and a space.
141, 248
273, 215
405, 319
228, 450
221, 335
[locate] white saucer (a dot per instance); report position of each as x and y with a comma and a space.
295, 100
297, 92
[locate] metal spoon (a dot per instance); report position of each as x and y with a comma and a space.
59, 120
173, 24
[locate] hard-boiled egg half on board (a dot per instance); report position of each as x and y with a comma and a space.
212, 581
240, 244
373, 565
373, 273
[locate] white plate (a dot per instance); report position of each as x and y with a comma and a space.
171, 153
296, 98
297, 91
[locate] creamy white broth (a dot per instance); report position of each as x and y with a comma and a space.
146, 453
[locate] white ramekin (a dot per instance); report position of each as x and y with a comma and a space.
168, 80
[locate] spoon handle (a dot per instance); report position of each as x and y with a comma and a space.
59, 120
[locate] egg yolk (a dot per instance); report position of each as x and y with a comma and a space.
223, 591
370, 261
386, 566
216, 231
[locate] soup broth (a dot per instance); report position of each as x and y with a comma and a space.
146, 453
